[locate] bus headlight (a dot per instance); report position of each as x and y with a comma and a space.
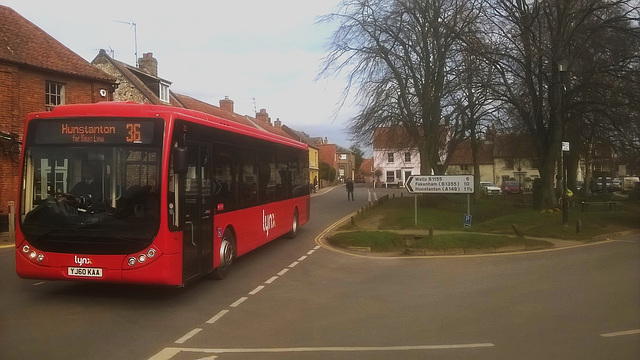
142, 258
151, 253
25, 249
131, 261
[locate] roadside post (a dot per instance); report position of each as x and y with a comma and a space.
441, 184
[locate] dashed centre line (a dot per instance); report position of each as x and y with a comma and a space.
188, 336
217, 317
238, 302
168, 353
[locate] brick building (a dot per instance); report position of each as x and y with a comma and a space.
37, 73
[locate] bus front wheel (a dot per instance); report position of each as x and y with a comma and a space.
227, 255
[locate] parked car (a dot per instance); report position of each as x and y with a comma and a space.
488, 188
511, 187
610, 184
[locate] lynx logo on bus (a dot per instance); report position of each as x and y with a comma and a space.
268, 222
82, 260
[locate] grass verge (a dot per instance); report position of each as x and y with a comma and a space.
495, 220
386, 241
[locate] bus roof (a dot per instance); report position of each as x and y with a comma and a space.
134, 109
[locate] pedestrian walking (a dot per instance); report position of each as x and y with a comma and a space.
350, 190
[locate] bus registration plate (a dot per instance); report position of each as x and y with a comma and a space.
85, 272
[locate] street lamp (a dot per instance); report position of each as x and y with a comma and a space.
562, 68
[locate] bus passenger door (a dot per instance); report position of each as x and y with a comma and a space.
198, 214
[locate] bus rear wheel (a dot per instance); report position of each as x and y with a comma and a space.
294, 226
227, 255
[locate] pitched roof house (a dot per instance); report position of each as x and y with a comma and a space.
394, 156
37, 73
501, 158
140, 84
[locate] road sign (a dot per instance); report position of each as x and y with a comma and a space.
440, 184
565, 146
467, 220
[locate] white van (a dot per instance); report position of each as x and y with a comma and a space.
628, 181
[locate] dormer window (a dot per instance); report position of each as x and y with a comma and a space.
164, 92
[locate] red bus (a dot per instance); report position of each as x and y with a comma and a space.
134, 193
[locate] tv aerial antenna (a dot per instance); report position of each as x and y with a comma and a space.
135, 35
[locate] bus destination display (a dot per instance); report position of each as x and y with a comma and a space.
85, 132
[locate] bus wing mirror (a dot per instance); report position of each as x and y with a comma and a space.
180, 160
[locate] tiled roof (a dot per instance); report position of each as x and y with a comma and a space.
514, 146
23, 43
194, 104
267, 126
462, 154
392, 138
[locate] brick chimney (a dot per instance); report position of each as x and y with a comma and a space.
148, 64
277, 123
226, 104
263, 116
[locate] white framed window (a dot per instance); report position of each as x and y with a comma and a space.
390, 176
343, 156
390, 157
53, 94
164, 92
407, 157
464, 167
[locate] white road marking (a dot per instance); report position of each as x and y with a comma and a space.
168, 353
189, 335
217, 317
621, 333
238, 302
173, 351
38, 283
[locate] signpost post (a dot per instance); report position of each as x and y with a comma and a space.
441, 184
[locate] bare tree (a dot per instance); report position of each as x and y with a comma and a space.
532, 38
399, 55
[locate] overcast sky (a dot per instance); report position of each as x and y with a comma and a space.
262, 54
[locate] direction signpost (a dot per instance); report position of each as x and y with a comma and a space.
441, 184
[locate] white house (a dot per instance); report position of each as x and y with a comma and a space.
394, 157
